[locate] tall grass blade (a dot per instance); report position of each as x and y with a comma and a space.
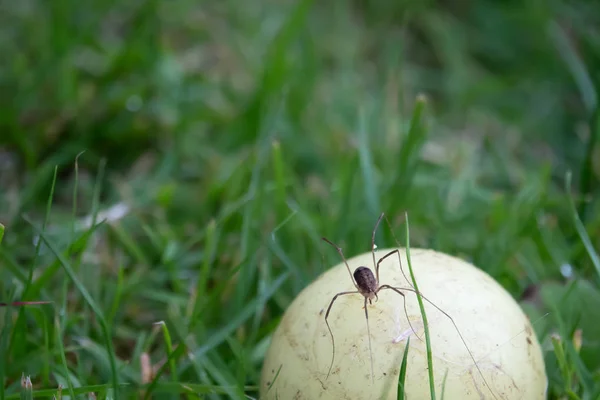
580, 228
39, 242
367, 166
410, 152
169, 348
63, 358
403, 369
423, 315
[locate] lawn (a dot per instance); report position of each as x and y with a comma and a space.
167, 170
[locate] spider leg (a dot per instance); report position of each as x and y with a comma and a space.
397, 290
373, 240
404, 303
392, 252
369, 334
328, 327
399, 260
341, 253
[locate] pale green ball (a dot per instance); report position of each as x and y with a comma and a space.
497, 332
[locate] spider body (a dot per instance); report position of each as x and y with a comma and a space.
366, 282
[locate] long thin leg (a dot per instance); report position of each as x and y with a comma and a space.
369, 334
399, 260
341, 253
392, 252
398, 290
328, 327
373, 241
404, 303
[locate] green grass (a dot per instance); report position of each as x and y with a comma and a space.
225, 139
423, 315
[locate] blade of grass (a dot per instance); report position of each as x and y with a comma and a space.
63, 358
17, 342
423, 315
346, 199
74, 202
98, 389
101, 360
367, 167
97, 190
280, 186
91, 275
240, 355
247, 274
47, 358
274, 378
216, 293
43, 281
275, 73
196, 388
169, 348
580, 228
589, 95
400, 382
12, 266
129, 244
274, 246
587, 176
411, 150
118, 294
561, 358
403, 368
226, 212
201, 286
266, 273
39, 242
175, 355
444, 384
576, 66
89, 300
41, 177
221, 375
584, 376
219, 336
4, 351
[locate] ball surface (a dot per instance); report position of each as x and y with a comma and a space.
498, 335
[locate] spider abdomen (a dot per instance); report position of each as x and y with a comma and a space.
367, 284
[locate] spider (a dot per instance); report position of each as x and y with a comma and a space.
369, 285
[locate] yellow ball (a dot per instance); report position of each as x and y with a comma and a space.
496, 331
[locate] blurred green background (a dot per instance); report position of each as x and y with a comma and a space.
223, 139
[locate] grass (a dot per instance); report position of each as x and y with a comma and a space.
423, 315
221, 141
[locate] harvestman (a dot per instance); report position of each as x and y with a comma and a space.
368, 286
